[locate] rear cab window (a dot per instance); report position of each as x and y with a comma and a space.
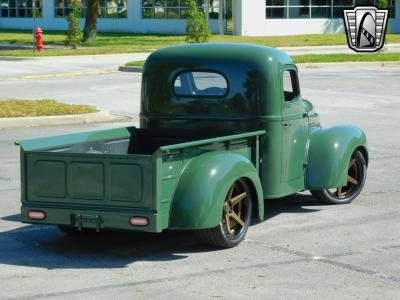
200, 84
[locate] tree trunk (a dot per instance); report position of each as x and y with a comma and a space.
90, 30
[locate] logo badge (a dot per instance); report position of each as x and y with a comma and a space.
365, 27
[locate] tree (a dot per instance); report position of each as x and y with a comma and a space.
197, 26
74, 33
90, 30
383, 4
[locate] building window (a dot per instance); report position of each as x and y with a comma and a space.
316, 9
174, 9
339, 5
108, 8
21, 8
392, 9
213, 9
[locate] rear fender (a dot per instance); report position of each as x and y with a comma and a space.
203, 186
329, 155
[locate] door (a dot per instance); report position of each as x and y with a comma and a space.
228, 16
294, 127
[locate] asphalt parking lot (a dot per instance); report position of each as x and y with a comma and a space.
303, 250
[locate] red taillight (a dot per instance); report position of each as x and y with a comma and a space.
139, 221
36, 214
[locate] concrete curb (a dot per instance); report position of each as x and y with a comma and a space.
98, 117
141, 55
58, 75
330, 47
350, 63
135, 69
14, 58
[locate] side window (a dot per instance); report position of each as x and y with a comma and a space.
290, 85
200, 84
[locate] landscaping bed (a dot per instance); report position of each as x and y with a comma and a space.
35, 108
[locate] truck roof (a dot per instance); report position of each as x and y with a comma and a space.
261, 56
252, 74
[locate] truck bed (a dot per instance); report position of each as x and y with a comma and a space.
126, 171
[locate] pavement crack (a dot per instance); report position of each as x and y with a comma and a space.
360, 270
160, 280
381, 192
329, 261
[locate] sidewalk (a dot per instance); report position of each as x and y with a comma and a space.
8, 46
20, 68
340, 49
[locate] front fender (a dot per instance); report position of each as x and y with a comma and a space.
203, 186
329, 154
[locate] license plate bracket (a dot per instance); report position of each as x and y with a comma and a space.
88, 221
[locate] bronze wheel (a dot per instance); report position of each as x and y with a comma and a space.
235, 220
356, 176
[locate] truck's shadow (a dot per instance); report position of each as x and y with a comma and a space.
298, 203
47, 247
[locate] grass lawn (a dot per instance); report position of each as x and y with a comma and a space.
108, 43
135, 64
323, 58
35, 108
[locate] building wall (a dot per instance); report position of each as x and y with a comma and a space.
134, 22
395, 24
301, 26
248, 18
254, 22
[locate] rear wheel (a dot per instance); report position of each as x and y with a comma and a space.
235, 220
356, 175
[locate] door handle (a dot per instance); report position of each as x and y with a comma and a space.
286, 125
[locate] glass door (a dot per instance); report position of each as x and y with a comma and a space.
228, 16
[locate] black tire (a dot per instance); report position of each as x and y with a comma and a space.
346, 194
219, 236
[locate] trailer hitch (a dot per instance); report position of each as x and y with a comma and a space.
88, 221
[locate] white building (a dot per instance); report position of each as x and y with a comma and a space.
241, 17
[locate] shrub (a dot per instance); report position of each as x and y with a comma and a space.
74, 33
197, 26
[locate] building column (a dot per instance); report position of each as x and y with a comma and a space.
48, 9
134, 15
252, 17
221, 17
238, 7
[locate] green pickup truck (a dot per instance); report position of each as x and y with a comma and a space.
223, 127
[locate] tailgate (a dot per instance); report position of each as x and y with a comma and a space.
94, 180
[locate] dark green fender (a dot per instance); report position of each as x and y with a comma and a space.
203, 186
329, 154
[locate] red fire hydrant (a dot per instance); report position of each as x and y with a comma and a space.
39, 39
